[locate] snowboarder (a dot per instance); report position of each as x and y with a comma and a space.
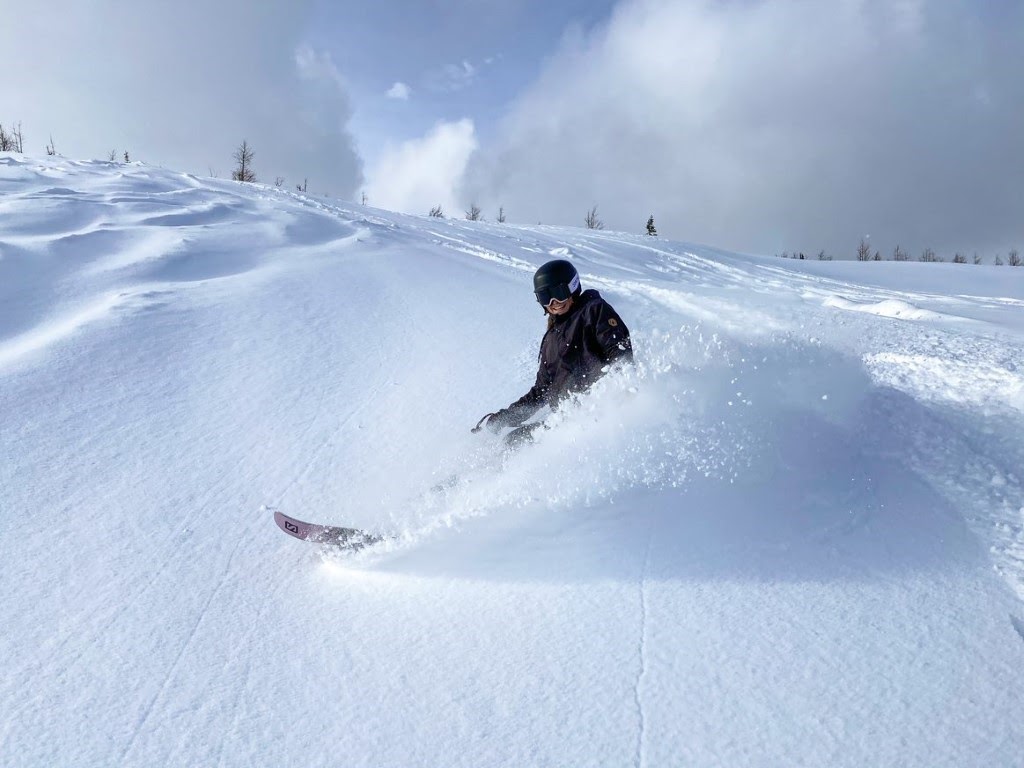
584, 337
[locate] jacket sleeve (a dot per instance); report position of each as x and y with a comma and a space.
611, 334
530, 403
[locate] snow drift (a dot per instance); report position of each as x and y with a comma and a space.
793, 533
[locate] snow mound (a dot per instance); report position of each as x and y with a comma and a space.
900, 310
787, 535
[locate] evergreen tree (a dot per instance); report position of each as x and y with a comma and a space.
650, 227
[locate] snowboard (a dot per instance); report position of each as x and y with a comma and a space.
352, 539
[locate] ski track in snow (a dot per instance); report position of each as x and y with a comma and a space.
831, 452
642, 657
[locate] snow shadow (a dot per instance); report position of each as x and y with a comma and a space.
712, 459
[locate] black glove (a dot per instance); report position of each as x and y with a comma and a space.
495, 422
498, 421
480, 424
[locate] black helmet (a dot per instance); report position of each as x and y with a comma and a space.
557, 279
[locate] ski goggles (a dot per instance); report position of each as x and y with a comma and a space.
559, 292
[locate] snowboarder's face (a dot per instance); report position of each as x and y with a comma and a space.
556, 307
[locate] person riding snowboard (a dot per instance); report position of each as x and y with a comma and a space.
584, 337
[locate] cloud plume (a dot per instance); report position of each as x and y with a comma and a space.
777, 124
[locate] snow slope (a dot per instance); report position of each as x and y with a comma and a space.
793, 534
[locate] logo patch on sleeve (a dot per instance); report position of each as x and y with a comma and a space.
613, 322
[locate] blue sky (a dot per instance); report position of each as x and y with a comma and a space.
754, 125
459, 58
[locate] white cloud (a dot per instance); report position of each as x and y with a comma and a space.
399, 91
453, 77
319, 66
772, 124
416, 175
148, 78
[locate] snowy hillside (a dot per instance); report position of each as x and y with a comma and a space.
793, 534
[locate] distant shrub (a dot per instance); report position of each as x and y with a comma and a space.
11, 141
863, 251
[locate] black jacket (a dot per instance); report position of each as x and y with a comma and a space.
573, 353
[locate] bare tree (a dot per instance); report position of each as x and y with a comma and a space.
244, 156
501, 215
10, 141
592, 221
126, 156
50, 149
959, 258
651, 229
900, 255
998, 260
436, 212
112, 157
213, 172
977, 258
877, 256
473, 214
822, 256
279, 181
929, 256
1013, 258
863, 251
302, 187
364, 198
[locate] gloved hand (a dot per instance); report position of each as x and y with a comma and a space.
498, 421
495, 422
